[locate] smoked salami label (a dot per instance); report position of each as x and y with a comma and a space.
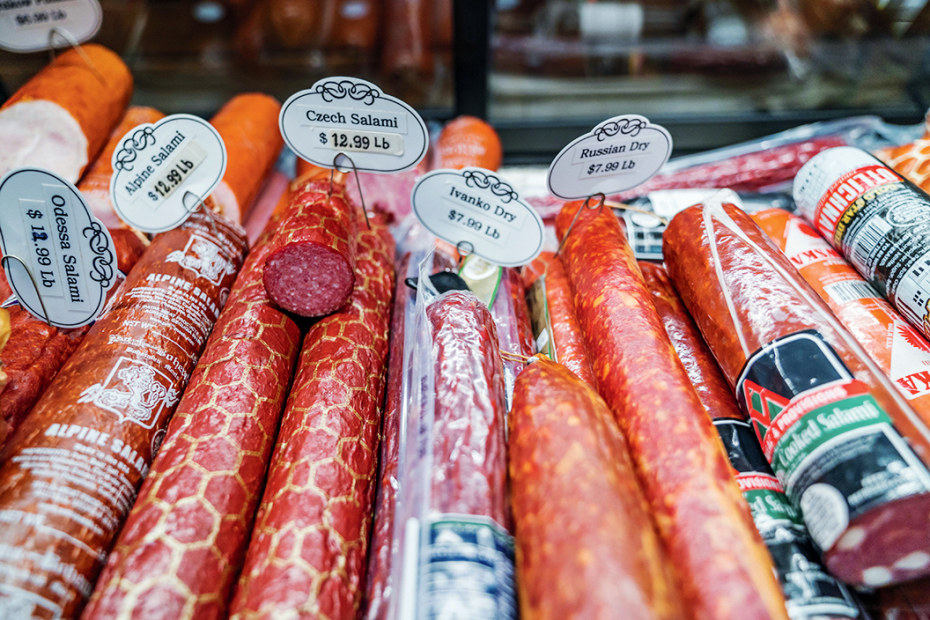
831, 445
467, 570
810, 591
877, 219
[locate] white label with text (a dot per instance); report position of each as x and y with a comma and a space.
474, 207
28, 25
343, 121
162, 171
58, 258
619, 154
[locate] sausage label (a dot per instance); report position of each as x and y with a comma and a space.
617, 155
467, 565
832, 447
476, 210
162, 171
34, 25
878, 220
66, 263
346, 122
809, 590
134, 391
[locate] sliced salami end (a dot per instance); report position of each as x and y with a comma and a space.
308, 279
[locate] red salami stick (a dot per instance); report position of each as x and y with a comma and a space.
248, 124
681, 464
182, 546
549, 289
70, 472
36, 350
586, 544
308, 548
709, 383
849, 450
311, 268
62, 117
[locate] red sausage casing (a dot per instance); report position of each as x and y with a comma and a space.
70, 472
846, 446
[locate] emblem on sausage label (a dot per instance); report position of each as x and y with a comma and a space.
134, 391
204, 258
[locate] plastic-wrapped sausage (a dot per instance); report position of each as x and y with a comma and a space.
308, 549
842, 441
182, 546
70, 473
586, 545
683, 469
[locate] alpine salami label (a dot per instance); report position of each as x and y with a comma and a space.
163, 170
810, 592
829, 442
475, 207
618, 154
59, 258
467, 570
29, 25
341, 121
878, 220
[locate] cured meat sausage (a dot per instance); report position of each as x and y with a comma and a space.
468, 141
69, 475
355, 25
95, 184
407, 53
809, 591
682, 466
36, 350
182, 546
549, 289
838, 435
248, 124
709, 383
308, 548
900, 351
310, 270
579, 513
62, 117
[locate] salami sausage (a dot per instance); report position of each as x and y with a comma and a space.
682, 466
468, 141
62, 117
901, 352
248, 124
355, 25
69, 475
310, 270
308, 548
182, 546
709, 383
407, 54
842, 441
579, 514
36, 350
553, 312
95, 184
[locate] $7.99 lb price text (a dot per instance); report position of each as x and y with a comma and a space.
474, 224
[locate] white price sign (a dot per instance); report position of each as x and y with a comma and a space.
474, 206
161, 170
618, 154
26, 25
341, 118
64, 260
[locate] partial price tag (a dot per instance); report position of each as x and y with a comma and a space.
475, 207
341, 119
26, 25
161, 170
619, 154
45, 223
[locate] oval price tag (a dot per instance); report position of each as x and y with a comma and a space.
45, 223
474, 205
620, 153
160, 170
352, 117
26, 25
